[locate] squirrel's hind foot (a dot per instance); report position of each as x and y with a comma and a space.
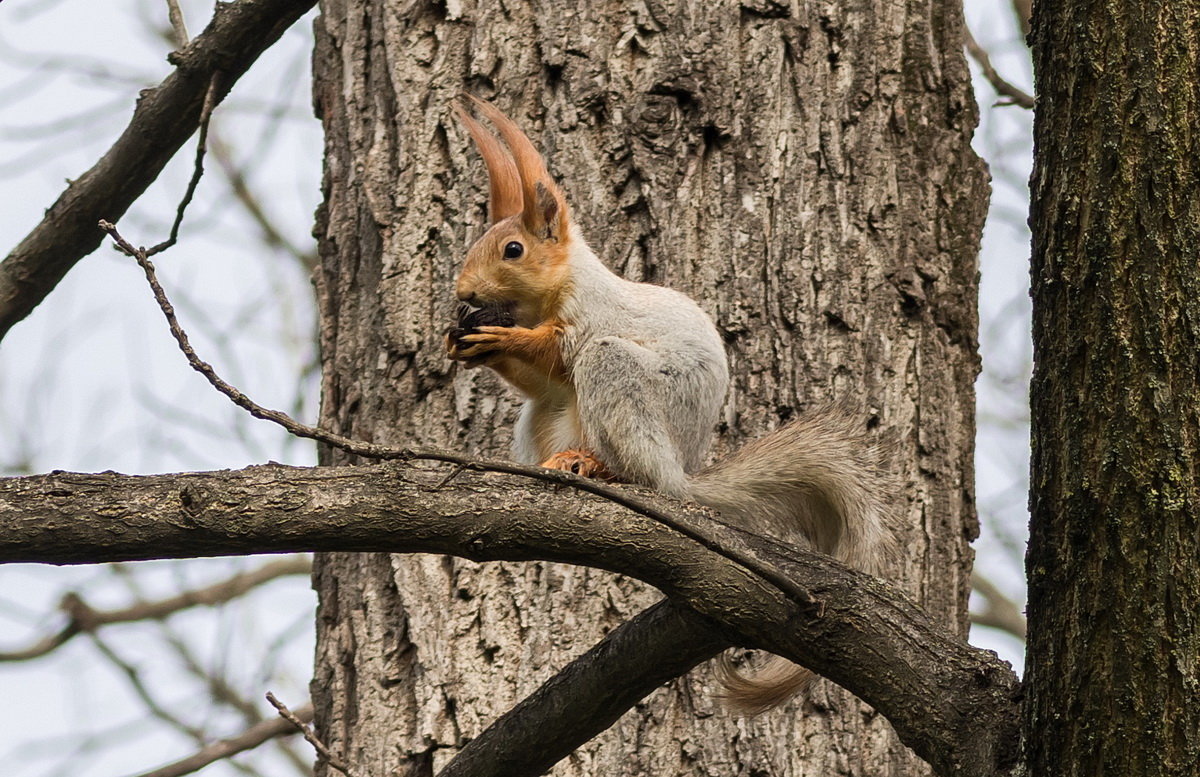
581, 462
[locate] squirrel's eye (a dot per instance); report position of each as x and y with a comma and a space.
513, 250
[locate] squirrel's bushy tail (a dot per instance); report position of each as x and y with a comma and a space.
818, 482
777, 681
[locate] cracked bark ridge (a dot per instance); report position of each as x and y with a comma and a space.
165, 117
804, 171
954, 704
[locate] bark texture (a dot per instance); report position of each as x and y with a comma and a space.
1114, 556
803, 170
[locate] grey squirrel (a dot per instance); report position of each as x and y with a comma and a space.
625, 381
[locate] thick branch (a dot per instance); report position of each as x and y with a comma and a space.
164, 119
590, 693
953, 704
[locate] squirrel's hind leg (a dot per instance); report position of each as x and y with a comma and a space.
581, 462
623, 404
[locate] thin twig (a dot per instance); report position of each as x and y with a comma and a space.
458, 470
1016, 95
82, 618
247, 740
322, 751
210, 103
220, 689
134, 677
620, 496
175, 14
240, 186
1001, 612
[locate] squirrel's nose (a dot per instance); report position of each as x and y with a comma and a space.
466, 296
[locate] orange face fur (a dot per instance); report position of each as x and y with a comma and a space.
535, 282
522, 259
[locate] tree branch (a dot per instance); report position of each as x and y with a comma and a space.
239, 185
1015, 95
1023, 10
152, 704
953, 704
178, 26
85, 619
247, 740
1001, 612
165, 117
590, 693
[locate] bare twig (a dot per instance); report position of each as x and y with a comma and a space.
387, 453
1001, 612
218, 686
175, 14
221, 691
82, 618
322, 751
134, 678
247, 740
210, 102
1016, 95
451, 475
164, 119
157, 709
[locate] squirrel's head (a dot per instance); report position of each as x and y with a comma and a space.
522, 259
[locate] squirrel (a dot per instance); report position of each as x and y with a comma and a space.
625, 381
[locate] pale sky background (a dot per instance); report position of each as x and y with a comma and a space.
92, 380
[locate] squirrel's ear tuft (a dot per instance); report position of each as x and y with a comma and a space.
547, 219
507, 196
531, 170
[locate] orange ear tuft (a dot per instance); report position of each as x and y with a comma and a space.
507, 198
531, 169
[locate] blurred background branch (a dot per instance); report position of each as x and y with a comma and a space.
82, 618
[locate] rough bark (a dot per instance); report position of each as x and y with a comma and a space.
802, 170
590, 693
1114, 575
165, 117
952, 703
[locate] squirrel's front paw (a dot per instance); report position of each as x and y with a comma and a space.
483, 341
455, 346
473, 321
581, 462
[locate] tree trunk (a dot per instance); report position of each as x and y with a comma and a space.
1114, 576
804, 171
